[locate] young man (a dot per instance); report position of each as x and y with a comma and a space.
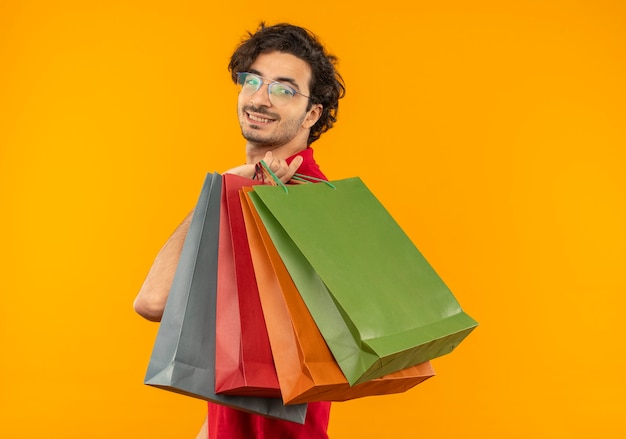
289, 95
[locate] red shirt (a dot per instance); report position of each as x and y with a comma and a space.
308, 166
229, 423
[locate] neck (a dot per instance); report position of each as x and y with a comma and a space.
255, 153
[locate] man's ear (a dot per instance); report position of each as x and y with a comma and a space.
312, 116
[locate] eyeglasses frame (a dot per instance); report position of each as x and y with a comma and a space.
269, 83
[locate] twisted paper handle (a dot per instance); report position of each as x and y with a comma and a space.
274, 180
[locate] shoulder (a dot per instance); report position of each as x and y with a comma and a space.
309, 166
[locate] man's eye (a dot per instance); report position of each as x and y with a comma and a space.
283, 90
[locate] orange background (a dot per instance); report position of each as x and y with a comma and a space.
494, 133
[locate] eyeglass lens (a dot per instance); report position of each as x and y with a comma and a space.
279, 93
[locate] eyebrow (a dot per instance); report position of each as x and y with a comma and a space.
279, 79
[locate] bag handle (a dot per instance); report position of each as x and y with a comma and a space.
301, 178
308, 179
272, 178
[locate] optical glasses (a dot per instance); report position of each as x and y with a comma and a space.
279, 93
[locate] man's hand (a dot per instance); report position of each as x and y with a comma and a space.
279, 167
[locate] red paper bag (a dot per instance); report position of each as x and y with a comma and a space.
243, 358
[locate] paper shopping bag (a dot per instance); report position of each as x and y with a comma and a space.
379, 304
306, 369
183, 356
243, 361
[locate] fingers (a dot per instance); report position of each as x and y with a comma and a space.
295, 164
280, 168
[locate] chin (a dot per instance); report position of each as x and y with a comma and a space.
256, 139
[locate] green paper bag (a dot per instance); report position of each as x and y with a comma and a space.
379, 304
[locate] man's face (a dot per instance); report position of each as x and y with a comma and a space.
267, 125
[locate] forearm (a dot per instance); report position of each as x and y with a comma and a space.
246, 171
150, 302
204, 430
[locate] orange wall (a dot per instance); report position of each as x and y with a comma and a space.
494, 134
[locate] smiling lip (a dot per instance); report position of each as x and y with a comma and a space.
258, 118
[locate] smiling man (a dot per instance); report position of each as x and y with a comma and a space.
287, 125
289, 96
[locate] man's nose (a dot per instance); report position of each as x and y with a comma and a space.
262, 95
